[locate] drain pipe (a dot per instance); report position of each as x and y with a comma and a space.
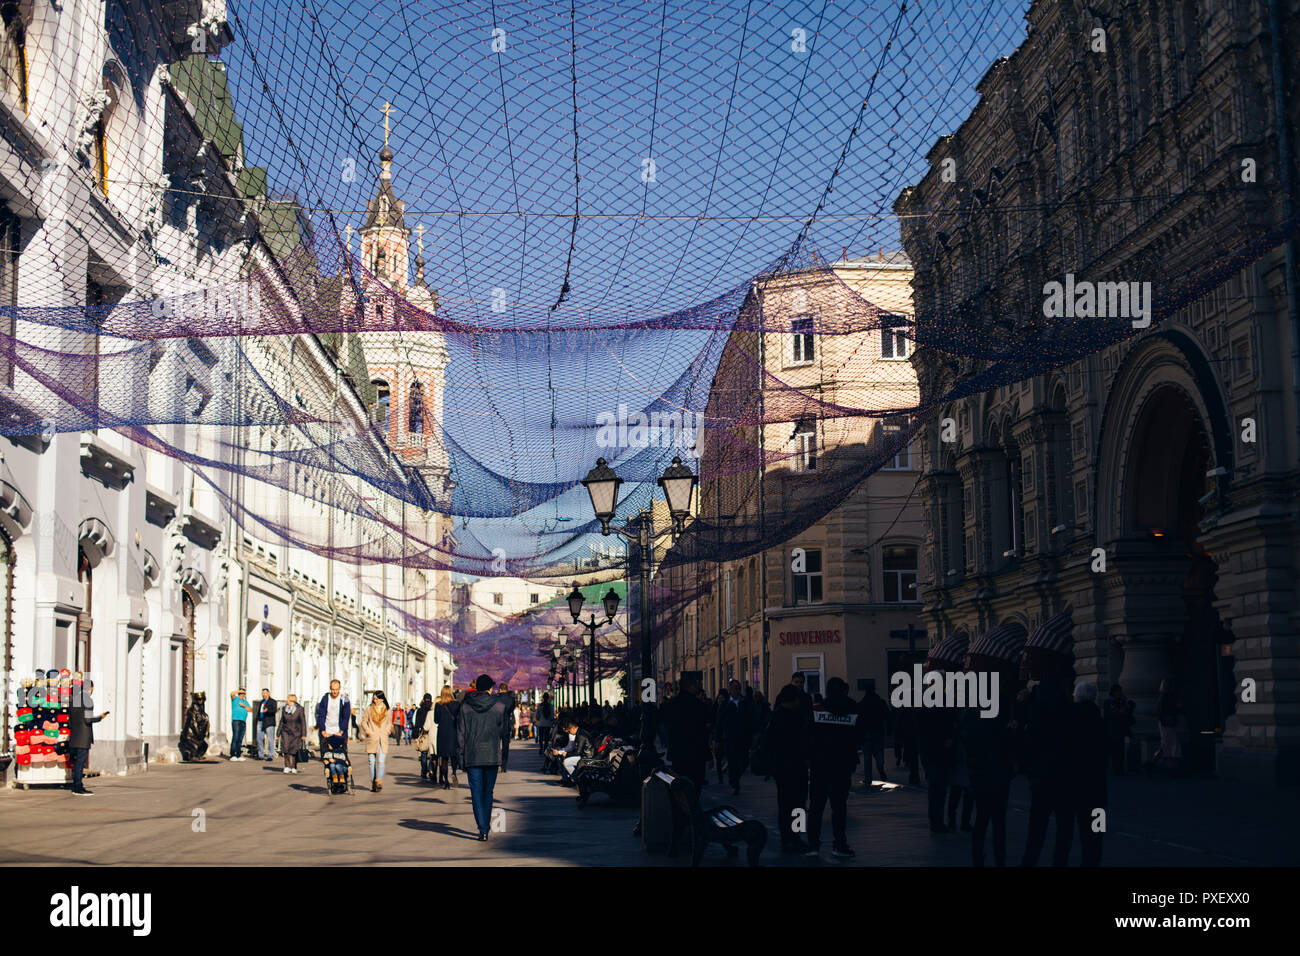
1288, 193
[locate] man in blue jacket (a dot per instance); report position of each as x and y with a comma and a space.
333, 715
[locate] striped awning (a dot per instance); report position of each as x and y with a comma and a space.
1056, 634
1004, 642
952, 649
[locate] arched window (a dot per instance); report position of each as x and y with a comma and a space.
415, 415
381, 401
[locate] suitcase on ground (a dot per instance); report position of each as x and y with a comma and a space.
656, 814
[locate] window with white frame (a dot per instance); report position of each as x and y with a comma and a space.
894, 343
806, 577
805, 445
899, 564
801, 341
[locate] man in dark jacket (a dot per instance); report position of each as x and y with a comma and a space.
833, 752
81, 736
576, 746
786, 739
332, 716
1044, 718
875, 721
686, 720
1084, 774
266, 726
481, 730
736, 731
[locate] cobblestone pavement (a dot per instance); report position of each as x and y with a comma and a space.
254, 814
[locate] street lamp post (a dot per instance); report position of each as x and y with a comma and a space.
678, 483
610, 604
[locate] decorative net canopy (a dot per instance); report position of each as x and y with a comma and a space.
583, 225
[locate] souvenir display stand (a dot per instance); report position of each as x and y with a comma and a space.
41, 728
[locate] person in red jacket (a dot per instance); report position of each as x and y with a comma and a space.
399, 721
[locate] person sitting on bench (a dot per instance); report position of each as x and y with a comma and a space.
577, 747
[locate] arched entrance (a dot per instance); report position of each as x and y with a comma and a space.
1164, 482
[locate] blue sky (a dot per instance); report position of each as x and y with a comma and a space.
743, 129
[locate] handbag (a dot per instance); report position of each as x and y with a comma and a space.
422, 742
304, 755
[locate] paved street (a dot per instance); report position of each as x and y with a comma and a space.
257, 815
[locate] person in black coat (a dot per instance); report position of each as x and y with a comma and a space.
875, 720
445, 713
833, 754
787, 741
736, 732
81, 737
1043, 716
1085, 775
418, 727
686, 720
1119, 721
990, 760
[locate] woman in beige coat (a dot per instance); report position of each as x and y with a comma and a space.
376, 725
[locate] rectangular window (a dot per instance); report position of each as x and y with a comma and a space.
801, 341
1081, 498
728, 598
894, 343
534, 598
901, 460
498, 598
805, 445
899, 563
806, 584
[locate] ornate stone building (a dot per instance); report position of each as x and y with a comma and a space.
1152, 484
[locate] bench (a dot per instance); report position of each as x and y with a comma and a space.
722, 825
616, 775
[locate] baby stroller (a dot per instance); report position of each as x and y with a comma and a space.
338, 769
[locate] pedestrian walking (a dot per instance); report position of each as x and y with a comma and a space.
990, 753
397, 722
483, 726
1044, 728
422, 723
1085, 772
545, 722
293, 731
81, 737
376, 727
1119, 720
875, 721
511, 703
736, 731
787, 743
266, 708
240, 708
445, 712
686, 723
1167, 710
333, 715
833, 755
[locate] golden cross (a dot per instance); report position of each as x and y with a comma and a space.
419, 237
387, 109
347, 235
